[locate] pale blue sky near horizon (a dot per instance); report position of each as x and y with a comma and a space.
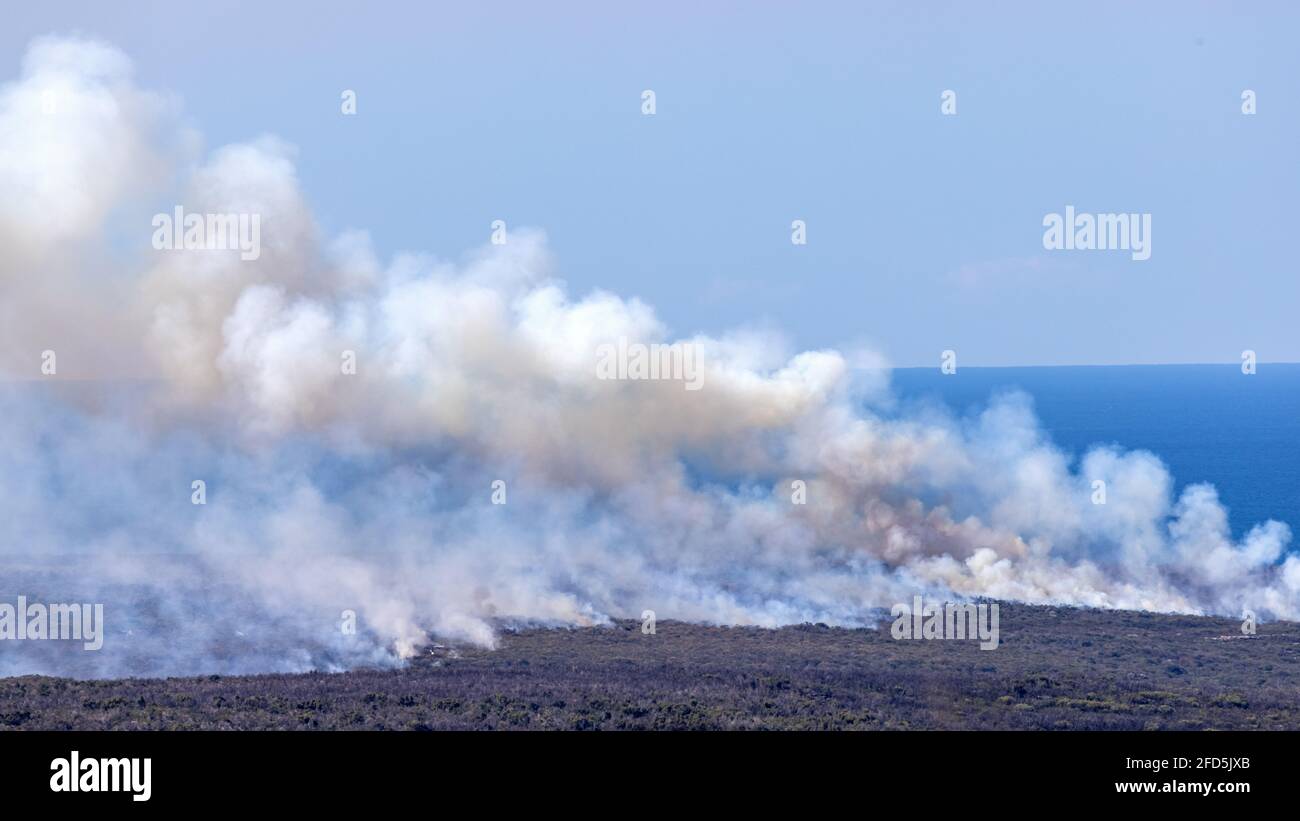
924, 230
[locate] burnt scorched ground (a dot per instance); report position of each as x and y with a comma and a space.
1056, 668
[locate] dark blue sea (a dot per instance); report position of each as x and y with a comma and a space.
1208, 423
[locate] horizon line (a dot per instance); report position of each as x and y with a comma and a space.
1095, 365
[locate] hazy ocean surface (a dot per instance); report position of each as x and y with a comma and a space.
1207, 423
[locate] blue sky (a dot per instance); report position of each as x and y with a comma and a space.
924, 231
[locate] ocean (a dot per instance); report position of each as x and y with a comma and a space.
1208, 423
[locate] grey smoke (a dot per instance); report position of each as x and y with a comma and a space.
372, 492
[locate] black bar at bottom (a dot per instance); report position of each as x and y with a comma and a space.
225, 770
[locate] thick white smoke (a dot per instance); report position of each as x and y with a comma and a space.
372, 491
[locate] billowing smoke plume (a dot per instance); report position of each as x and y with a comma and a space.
372, 491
